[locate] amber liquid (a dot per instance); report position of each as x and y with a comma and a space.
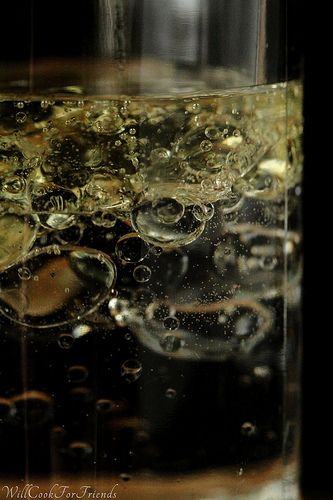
149, 293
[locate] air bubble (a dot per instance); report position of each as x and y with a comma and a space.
24, 273
103, 219
203, 212
248, 429
131, 249
171, 323
268, 262
44, 302
65, 340
212, 133
170, 343
170, 393
131, 370
80, 449
206, 146
104, 405
142, 274
151, 229
17, 234
168, 210
160, 155
21, 117
32, 408
77, 374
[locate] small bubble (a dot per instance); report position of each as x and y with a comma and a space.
44, 104
170, 393
241, 471
248, 429
194, 108
66, 290
128, 336
206, 146
20, 105
77, 374
236, 133
203, 212
212, 133
170, 343
21, 117
131, 249
66, 340
131, 370
132, 131
142, 274
160, 154
171, 323
24, 273
268, 262
104, 405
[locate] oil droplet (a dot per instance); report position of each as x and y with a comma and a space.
21, 117
170, 393
104, 405
151, 229
142, 274
24, 273
131, 370
203, 212
131, 249
171, 323
77, 374
248, 429
170, 343
66, 340
168, 210
89, 280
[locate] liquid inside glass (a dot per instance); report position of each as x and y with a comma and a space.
149, 292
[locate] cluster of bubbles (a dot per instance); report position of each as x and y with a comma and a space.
113, 202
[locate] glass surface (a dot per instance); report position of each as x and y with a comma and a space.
150, 250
